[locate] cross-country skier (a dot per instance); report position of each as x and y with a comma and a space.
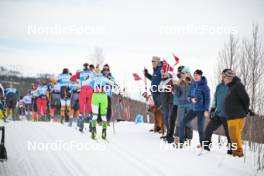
28, 105
42, 100
55, 99
12, 95
75, 91
106, 73
34, 96
64, 81
2, 103
21, 108
100, 86
85, 98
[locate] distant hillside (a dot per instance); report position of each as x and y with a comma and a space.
16, 78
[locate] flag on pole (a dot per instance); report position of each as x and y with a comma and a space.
177, 60
136, 77
166, 67
145, 80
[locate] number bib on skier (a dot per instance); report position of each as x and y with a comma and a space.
86, 77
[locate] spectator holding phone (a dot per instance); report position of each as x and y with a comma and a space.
199, 98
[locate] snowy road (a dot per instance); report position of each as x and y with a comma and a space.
133, 150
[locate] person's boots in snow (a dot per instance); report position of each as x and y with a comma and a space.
238, 154
229, 152
164, 137
81, 124
189, 142
170, 139
179, 145
93, 133
206, 148
90, 117
70, 122
62, 120
104, 134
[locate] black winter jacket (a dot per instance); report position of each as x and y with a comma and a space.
236, 103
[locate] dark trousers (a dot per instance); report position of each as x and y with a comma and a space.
109, 109
181, 113
172, 119
166, 105
213, 125
189, 117
156, 98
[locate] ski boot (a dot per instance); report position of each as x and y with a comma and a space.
81, 124
90, 118
78, 121
70, 123
62, 119
108, 123
104, 134
93, 133
5, 119
90, 127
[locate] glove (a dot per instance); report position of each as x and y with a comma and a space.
212, 113
212, 110
145, 71
251, 113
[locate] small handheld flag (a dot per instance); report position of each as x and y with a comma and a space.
166, 67
136, 77
177, 60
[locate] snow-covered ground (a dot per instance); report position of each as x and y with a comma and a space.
44, 149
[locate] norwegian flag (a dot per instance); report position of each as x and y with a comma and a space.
166, 67
177, 60
136, 77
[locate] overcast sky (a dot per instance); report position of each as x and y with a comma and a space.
32, 39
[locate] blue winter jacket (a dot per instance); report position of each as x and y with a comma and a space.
155, 78
200, 91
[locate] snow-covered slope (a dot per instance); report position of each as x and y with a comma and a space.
133, 150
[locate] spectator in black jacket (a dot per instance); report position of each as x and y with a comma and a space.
155, 79
236, 107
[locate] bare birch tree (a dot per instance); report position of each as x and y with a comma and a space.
228, 56
97, 57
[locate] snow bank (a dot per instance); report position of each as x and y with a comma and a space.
41, 148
